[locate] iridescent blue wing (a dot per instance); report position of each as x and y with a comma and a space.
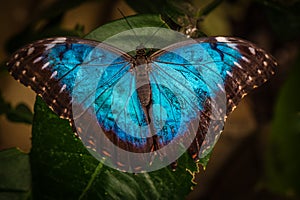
50, 67
92, 85
199, 82
55, 69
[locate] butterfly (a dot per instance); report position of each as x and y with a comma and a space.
175, 98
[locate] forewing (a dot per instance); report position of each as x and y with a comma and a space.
50, 67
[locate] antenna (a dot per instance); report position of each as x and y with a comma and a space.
131, 28
143, 44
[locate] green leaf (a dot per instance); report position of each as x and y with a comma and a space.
128, 23
62, 168
158, 6
15, 176
209, 8
126, 35
283, 163
180, 15
174, 13
19, 114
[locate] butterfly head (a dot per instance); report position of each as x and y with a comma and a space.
140, 50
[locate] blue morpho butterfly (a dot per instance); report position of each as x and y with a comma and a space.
143, 102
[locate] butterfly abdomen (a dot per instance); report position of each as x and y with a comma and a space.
143, 84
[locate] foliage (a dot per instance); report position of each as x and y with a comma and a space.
63, 169
15, 181
283, 162
21, 113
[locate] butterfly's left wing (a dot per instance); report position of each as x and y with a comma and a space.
200, 82
50, 67
92, 85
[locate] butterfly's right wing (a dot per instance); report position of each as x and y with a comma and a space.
208, 76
